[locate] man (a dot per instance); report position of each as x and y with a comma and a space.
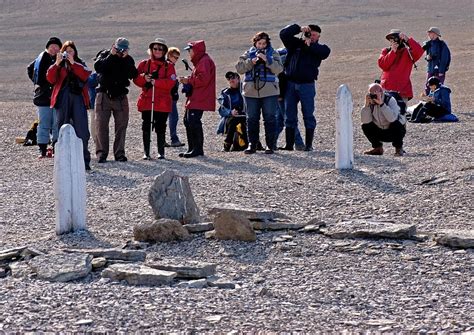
231, 109
42, 98
397, 61
302, 68
200, 88
437, 55
115, 68
382, 121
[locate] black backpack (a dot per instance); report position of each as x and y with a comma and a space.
398, 98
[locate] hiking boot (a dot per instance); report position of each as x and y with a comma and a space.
251, 149
102, 160
146, 157
290, 139
121, 159
399, 152
375, 151
227, 147
176, 144
268, 151
300, 147
88, 167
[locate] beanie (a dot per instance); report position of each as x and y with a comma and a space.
54, 40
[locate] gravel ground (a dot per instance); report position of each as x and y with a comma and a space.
318, 284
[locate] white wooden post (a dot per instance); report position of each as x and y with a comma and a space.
69, 182
344, 132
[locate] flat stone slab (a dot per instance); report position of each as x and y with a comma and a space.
137, 274
369, 229
189, 270
113, 254
253, 214
20, 269
61, 267
199, 227
276, 225
456, 238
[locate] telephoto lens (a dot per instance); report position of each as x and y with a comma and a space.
65, 55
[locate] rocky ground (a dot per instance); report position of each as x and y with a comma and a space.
313, 284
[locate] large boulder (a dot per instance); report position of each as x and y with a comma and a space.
170, 197
229, 225
369, 229
61, 267
138, 274
456, 238
163, 230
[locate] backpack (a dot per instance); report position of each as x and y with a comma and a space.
398, 99
36, 68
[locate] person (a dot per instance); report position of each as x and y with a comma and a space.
282, 83
115, 68
437, 104
156, 77
173, 56
92, 85
70, 96
438, 56
231, 110
47, 127
382, 121
200, 89
302, 68
261, 65
397, 62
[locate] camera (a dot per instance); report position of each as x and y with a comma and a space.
64, 55
154, 74
307, 34
373, 96
259, 59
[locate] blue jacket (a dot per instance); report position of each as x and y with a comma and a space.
260, 70
442, 97
440, 56
228, 100
302, 62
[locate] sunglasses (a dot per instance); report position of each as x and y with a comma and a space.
158, 48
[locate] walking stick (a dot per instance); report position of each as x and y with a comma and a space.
152, 110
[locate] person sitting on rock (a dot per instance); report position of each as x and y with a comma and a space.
231, 109
437, 104
382, 121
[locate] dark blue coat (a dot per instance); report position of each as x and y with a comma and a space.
440, 56
302, 62
442, 97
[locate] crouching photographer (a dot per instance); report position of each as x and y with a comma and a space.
382, 121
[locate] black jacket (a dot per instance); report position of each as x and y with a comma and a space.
302, 62
114, 73
43, 92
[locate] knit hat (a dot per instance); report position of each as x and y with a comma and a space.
392, 33
159, 40
54, 40
122, 44
434, 81
434, 30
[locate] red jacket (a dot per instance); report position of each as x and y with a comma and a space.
396, 67
56, 75
203, 79
163, 85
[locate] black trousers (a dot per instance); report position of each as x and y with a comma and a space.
159, 121
395, 134
435, 110
192, 118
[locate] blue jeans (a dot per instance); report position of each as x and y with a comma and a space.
304, 93
268, 106
173, 123
48, 124
281, 123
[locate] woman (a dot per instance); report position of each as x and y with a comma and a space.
70, 96
173, 56
261, 65
155, 76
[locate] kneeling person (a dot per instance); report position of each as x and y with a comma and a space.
231, 108
382, 121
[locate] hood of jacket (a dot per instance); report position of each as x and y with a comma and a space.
199, 49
